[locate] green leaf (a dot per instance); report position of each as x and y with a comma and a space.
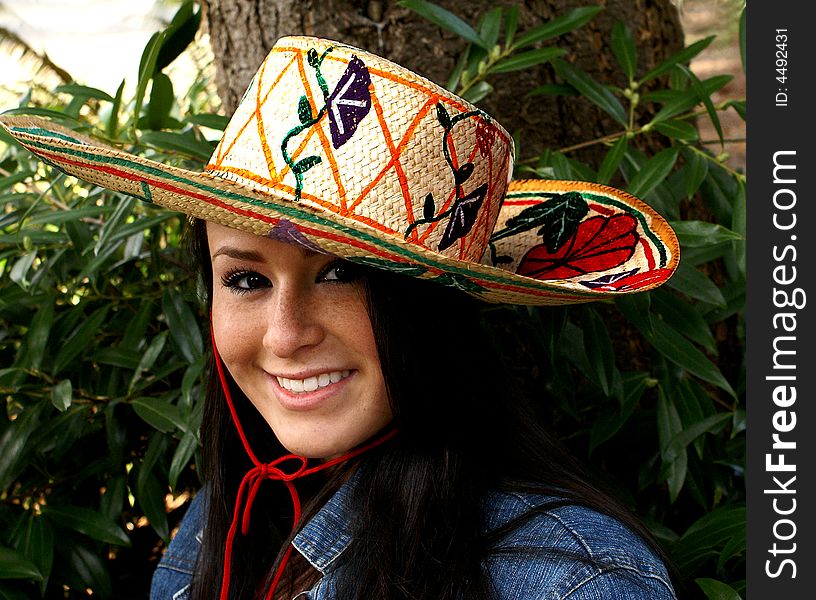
695, 171
191, 377
161, 103
491, 26
87, 522
669, 425
112, 126
36, 111
87, 570
592, 90
37, 545
57, 217
103, 246
624, 48
510, 25
112, 501
702, 94
151, 499
14, 565
526, 60
36, 339
445, 19
600, 354
557, 26
738, 223
179, 34
557, 218
14, 446
62, 395
184, 143
477, 92
704, 536
147, 67
717, 590
695, 284
148, 358
653, 172
736, 546
682, 352
218, 122
182, 455
307, 163
159, 414
676, 102
684, 318
702, 233
680, 57
304, 110
83, 91
678, 130
10, 180
78, 342
739, 107
612, 160
183, 326
608, 425
635, 307
686, 436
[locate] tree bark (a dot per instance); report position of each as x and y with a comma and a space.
243, 31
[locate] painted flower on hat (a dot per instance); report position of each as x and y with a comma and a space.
485, 136
350, 102
463, 216
599, 244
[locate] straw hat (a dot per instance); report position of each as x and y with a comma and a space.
346, 153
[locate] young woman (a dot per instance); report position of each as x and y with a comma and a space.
361, 438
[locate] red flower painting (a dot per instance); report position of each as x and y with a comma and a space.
600, 243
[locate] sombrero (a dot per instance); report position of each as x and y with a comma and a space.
347, 153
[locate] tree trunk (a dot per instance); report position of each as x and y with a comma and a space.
242, 32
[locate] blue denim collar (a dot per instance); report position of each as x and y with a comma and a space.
328, 533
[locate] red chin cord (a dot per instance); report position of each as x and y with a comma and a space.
262, 471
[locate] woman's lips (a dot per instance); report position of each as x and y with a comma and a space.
289, 394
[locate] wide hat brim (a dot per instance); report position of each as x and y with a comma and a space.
555, 242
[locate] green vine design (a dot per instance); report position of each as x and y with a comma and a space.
307, 120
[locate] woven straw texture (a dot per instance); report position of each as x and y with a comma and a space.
344, 152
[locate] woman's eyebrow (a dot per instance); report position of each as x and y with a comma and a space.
252, 255
237, 253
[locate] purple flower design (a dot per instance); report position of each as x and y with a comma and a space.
286, 231
350, 102
463, 216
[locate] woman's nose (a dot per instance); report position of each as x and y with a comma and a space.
292, 322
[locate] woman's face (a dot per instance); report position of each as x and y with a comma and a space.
292, 328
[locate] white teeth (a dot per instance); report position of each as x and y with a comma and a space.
310, 384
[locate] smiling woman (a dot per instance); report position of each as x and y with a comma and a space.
292, 328
361, 437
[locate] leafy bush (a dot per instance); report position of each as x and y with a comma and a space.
631, 384
102, 350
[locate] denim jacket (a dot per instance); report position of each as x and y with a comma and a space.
622, 566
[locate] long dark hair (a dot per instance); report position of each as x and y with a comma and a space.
464, 432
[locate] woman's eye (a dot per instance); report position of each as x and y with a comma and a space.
241, 281
339, 270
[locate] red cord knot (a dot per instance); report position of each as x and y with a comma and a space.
251, 483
